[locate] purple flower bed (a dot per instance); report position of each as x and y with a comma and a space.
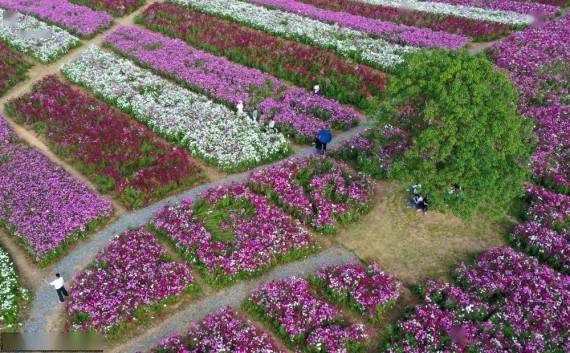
549, 208
79, 20
297, 111
43, 206
130, 278
304, 320
223, 329
547, 244
520, 6
366, 290
421, 37
318, 191
232, 233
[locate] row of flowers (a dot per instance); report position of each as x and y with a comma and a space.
117, 153
11, 293
505, 302
478, 30
114, 7
79, 20
209, 130
130, 279
549, 7
296, 62
13, 68
43, 206
41, 41
231, 233
398, 33
346, 41
294, 109
318, 191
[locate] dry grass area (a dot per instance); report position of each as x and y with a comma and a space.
413, 246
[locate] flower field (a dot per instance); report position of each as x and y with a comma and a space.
42, 205
10, 292
318, 192
13, 68
130, 279
231, 233
114, 7
118, 154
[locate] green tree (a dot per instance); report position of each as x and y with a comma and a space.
467, 136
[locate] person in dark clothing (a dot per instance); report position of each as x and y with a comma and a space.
320, 147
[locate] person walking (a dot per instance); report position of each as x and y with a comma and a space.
59, 286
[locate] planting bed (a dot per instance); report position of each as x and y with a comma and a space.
13, 68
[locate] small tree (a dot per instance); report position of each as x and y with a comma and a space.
470, 148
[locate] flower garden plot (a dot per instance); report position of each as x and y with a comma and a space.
318, 191
365, 290
130, 279
523, 6
478, 30
43, 206
78, 20
301, 64
345, 41
398, 33
373, 151
294, 109
11, 294
549, 208
232, 233
114, 7
41, 41
303, 320
209, 130
119, 154
13, 68
222, 331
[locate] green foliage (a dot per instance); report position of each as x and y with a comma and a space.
466, 134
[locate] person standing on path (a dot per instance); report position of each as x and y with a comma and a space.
58, 284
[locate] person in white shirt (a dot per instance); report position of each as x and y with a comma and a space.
59, 287
240, 107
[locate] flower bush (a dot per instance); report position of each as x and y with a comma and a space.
318, 191
231, 233
345, 41
374, 150
13, 68
22, 32
131, 277
78, 20
304, 320
223, 329
209, 130
11, 294
390, 31
43, 206
114, 7
366, 290
230, 83
296, 62
119, 154
549, 208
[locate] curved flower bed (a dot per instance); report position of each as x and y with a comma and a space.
549, 208
304, 320
229, 83
13, 68
296, 62
366, 290
209, 130
43, 206
231, 233
318, 191
348, 42
114, 7
119, 154
10, 292
129, 279
409, 35
41, 41
223, 329
79, 20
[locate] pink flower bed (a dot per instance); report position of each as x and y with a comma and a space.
366, 290
232, 233
549, 208
133, 272
529, 7
318, 191
304, 320
114, 7
77, 19
7, 136
223, 329
546, 243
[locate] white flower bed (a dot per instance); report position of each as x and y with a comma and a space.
35, 38
9, 291
207, 129
474, 13
346, 41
